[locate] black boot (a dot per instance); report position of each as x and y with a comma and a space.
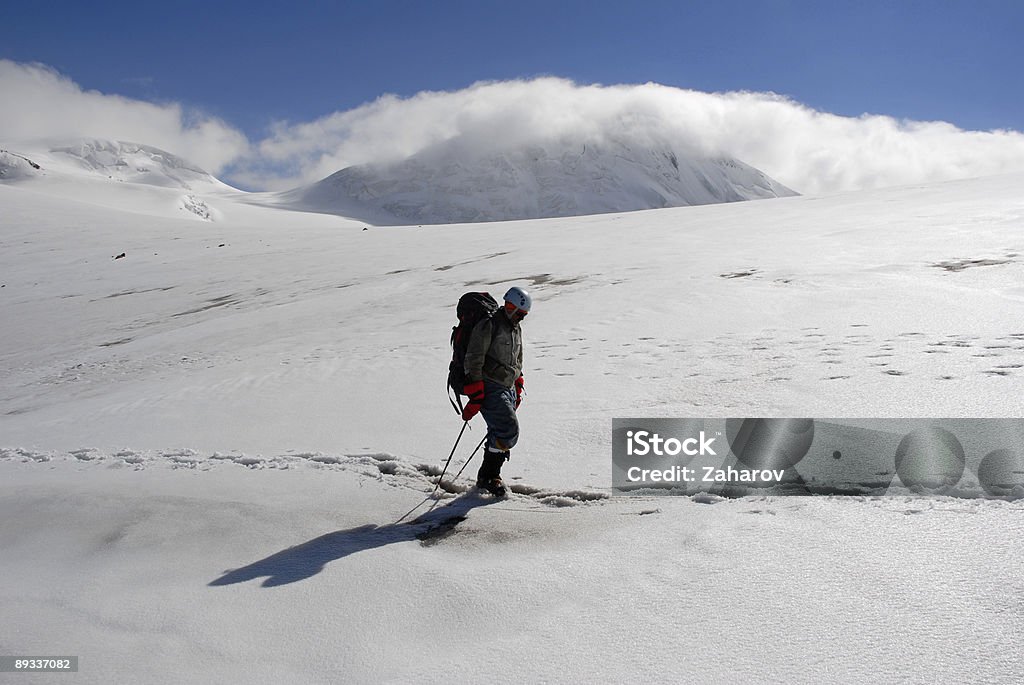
489, 475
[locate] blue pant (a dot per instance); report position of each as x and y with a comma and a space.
499, 411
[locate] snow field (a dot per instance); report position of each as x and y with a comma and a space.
208, 444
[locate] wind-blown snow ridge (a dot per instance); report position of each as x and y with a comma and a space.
447, 185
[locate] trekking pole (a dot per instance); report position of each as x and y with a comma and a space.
470, 459
464, 424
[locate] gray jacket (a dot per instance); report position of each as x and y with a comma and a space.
495, 351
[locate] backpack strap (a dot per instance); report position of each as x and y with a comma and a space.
458, 398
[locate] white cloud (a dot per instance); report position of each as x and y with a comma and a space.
41, 104
808, 150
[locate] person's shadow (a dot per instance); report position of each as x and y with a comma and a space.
308, 559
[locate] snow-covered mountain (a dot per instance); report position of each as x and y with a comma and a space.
444, 184
15, 167
135, 163
120, 161
116, 174
448, 184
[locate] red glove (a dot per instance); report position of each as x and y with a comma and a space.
476, 399
519, 391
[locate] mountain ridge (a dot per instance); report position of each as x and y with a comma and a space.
451, 182
449, 185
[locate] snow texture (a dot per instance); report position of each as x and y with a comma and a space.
219, 452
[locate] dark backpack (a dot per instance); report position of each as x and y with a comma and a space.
472, 309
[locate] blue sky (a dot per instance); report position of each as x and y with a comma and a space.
252, 63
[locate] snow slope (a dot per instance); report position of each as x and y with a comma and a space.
118, 175
134, 163
16, 167
217, 452
446, 184
161, 573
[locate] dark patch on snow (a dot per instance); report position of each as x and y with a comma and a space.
138, 292
222, 301
114, 343
440, 530
955, 265
547, 279
449, 267
739, 274
535, 280
951, 343
388, 468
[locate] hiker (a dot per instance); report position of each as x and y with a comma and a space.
494, 383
